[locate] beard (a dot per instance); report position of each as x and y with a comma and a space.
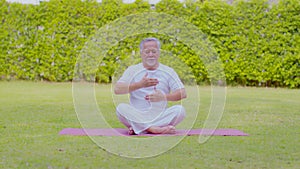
151, 62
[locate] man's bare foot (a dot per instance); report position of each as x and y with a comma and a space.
162, 130
131, 131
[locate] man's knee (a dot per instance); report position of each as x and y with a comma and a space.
180, 111
179, 114
122, 108
122, 118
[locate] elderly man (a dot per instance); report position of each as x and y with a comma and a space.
151, 85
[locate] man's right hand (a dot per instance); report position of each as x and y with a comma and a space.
147, 82
124, 88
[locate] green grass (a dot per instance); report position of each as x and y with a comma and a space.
32, 114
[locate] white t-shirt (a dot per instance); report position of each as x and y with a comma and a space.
168, 82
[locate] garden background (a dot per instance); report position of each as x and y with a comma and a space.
258, 42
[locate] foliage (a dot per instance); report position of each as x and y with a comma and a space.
257, 42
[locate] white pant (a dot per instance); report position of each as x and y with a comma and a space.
140, 121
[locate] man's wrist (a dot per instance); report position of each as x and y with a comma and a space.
139, 85
135, 86
165, 97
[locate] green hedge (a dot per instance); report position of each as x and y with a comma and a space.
258, 42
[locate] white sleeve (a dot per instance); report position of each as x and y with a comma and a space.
126, 76
129, 74
175, 82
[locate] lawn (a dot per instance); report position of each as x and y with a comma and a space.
33, 113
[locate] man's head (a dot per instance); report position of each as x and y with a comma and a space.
150, 51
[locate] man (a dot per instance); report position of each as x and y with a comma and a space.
151, 85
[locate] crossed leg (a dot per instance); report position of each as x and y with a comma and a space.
164, 125
169, 129
156, 130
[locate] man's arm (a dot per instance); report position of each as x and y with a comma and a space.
159, 96
176, 95
125, 88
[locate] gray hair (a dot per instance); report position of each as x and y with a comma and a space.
148, 40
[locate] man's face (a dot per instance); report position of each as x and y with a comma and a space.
150, 55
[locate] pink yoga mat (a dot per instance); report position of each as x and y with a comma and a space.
124, 132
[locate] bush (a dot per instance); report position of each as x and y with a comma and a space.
257, 42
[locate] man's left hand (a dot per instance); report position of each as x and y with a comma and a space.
157, 96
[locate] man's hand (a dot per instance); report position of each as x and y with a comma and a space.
147, 82
157, 96
124, 88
